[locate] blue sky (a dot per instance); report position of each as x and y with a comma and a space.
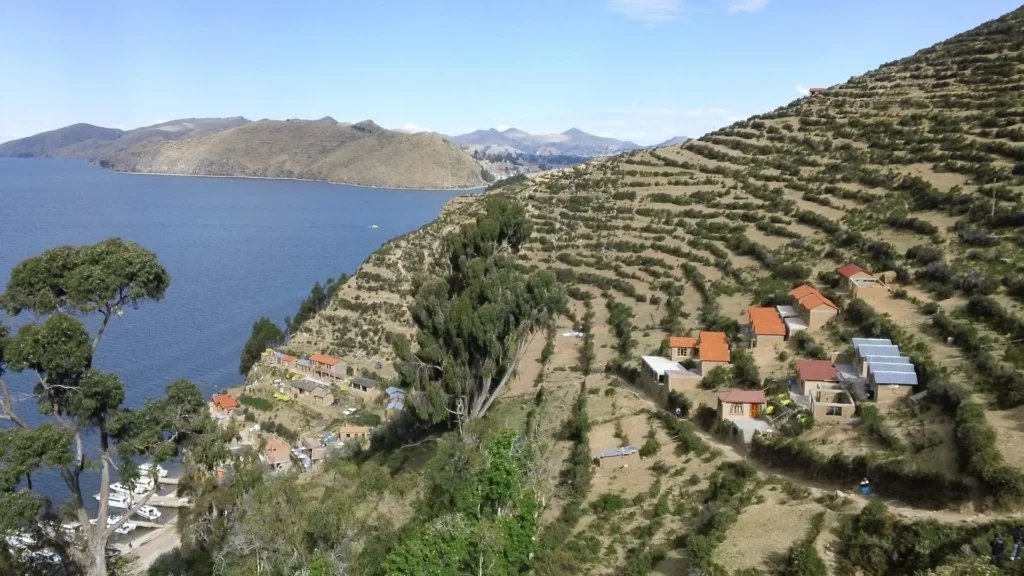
644, 70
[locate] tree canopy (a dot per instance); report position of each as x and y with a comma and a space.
475, 314
79, 402
265, 334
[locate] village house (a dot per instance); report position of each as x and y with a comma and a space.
891, 381
277, 454
314, 448
395, 399
322, 396
865, 348
712, 351
859, 282
304, 367
326, 367
287, 362
301, 388
363, 384
742, 408
618, 457
357, 432
815, 309
820, 384
223, 405
766, 327
659, 375
815, 91
792, 320
681, 348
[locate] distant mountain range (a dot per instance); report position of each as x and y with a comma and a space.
677, 141
572, 142
325, 149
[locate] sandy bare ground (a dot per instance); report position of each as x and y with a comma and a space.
151, 546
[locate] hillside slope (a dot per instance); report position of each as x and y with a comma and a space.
572, 142
362, 153
93, 150
915, 168
47, 142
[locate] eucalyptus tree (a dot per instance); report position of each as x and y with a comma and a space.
475, 315
85, 426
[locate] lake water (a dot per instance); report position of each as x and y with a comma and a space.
236, 249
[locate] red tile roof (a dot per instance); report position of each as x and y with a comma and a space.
682, 342
224, 402
742, 396
324, 359
817, 370
287, 358
766, 321
714, 347
851, 269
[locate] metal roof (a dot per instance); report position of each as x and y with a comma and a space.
888, 367
624, 451
795, 324
857, 342
304, 362
305, 385
895, 378
661, 365
786, 311
396, 404
888, 359
866, 350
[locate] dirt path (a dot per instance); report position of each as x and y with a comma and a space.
148, 548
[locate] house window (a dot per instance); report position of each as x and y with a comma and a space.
736, 409
833, 411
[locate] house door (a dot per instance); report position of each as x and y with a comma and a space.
754, 410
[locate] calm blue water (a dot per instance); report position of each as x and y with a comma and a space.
236, 250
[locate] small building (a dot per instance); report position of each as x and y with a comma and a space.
814, 375
287, 362
859, 282
350, 432
681, 348
712, 351
223, 405
393, 392
314, 448
322, 396
363, 384
277, 454
270, 357
659, 375
394, 407
766, 327
304, 366
324, 366
832, 405
815, 91
301, 388
864, 348
741, 404
815, 309
618, 457
890, 382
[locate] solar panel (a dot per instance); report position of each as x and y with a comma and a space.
857, 342
899, 378
886, 367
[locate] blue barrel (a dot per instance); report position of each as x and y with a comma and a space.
865, 489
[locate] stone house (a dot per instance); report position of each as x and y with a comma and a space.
681, 348
766, 327
712, 351
859, 282
813, 375
815, 309
358, 432
322, 396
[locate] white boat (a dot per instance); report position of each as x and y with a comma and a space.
126, 527
149, 513
119, 488
146, 467
143, 485
117, 500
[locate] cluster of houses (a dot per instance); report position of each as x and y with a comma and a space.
311, 449
809, 311
659, 376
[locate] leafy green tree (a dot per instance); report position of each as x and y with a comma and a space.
475, 317
265, 334
81, 403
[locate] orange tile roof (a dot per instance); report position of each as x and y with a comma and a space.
714, 347
682, 342
766, 321
810, 298
224, 402
287, 358
324, 359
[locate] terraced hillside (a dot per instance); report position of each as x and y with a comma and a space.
915, 169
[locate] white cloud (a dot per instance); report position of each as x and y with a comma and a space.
650, 11
802, 91
502, 127
736, 6
410, 127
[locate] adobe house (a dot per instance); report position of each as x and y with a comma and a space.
322, 396
742, 408
814, 375
287, 362
358, 432
223, 405
681, 348
889, 382
314, 448
815, 309
324, 366
659, 375
832, 405
618, 457
859, 282
766, 327
277, 454
712, 351
302, 388
304, 366
363, 384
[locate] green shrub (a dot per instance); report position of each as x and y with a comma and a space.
255, 402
